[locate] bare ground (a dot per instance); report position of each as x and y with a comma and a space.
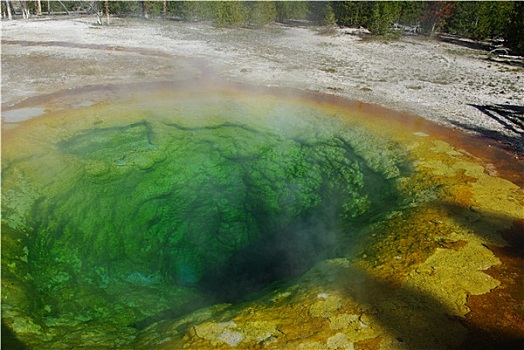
445, 83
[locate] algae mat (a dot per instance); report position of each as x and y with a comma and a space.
205, 215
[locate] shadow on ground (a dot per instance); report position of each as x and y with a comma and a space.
418, 320
511, 117
471, 44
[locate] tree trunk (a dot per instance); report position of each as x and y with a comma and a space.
106, 5
25, 9
164, 8
49, 7
38, 6
8, 8
144, 9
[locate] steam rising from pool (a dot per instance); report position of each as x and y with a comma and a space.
135, 211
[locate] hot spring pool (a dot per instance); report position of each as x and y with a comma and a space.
199, 216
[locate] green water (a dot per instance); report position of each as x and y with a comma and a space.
120, 221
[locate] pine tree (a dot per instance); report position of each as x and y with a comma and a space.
498, 14
383, 15
230, 13
261, 13
291, 10
329, 16
515, 29
411, 12
480, 19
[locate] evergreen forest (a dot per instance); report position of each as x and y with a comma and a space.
502, 21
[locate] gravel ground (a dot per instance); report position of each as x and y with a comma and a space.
449, 84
